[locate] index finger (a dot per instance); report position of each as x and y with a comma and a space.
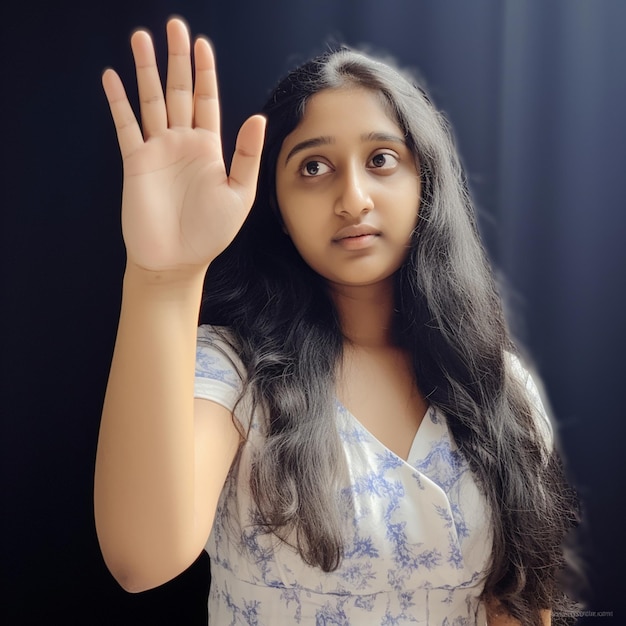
206, 99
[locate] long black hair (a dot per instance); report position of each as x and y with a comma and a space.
449, 318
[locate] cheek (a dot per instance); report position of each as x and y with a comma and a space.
406, 215
302, 217
306, 242
290, 217
294, 225
302, 232
413, 208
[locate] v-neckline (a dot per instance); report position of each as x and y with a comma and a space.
416, 438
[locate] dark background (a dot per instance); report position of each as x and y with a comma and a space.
536, 94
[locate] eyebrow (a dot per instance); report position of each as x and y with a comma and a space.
325, 141
309, 143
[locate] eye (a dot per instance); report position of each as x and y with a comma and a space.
314, 168
383, 161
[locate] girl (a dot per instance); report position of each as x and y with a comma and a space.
363, 445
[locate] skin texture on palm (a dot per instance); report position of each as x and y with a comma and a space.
180, 209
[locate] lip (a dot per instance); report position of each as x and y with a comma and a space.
356, 231
361, 242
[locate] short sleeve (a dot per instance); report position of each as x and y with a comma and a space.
218, 369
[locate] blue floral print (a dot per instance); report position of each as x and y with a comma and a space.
417, 531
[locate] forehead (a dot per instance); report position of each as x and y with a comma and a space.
343, 111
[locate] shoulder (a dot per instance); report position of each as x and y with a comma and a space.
209, 335
215, 344
218, 366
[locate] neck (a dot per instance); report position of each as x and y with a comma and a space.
365, 313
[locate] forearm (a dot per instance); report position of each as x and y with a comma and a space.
144, 502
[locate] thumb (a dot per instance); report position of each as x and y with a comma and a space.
244, 170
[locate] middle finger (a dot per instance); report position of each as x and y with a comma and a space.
178, 91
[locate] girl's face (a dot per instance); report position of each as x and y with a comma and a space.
348, 188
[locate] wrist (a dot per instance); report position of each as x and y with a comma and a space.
188, 279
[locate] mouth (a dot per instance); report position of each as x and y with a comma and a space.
361, 240
356, 232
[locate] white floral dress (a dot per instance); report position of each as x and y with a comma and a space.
418, 531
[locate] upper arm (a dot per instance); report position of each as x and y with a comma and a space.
218, 386
216, 443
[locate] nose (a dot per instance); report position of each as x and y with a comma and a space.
354, 197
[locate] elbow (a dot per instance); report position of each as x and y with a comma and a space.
127, 581
138, 557
136, 580
129, 578
136, 572
129, 573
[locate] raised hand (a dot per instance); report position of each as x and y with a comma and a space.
180, 208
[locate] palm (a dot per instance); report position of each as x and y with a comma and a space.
180, 209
